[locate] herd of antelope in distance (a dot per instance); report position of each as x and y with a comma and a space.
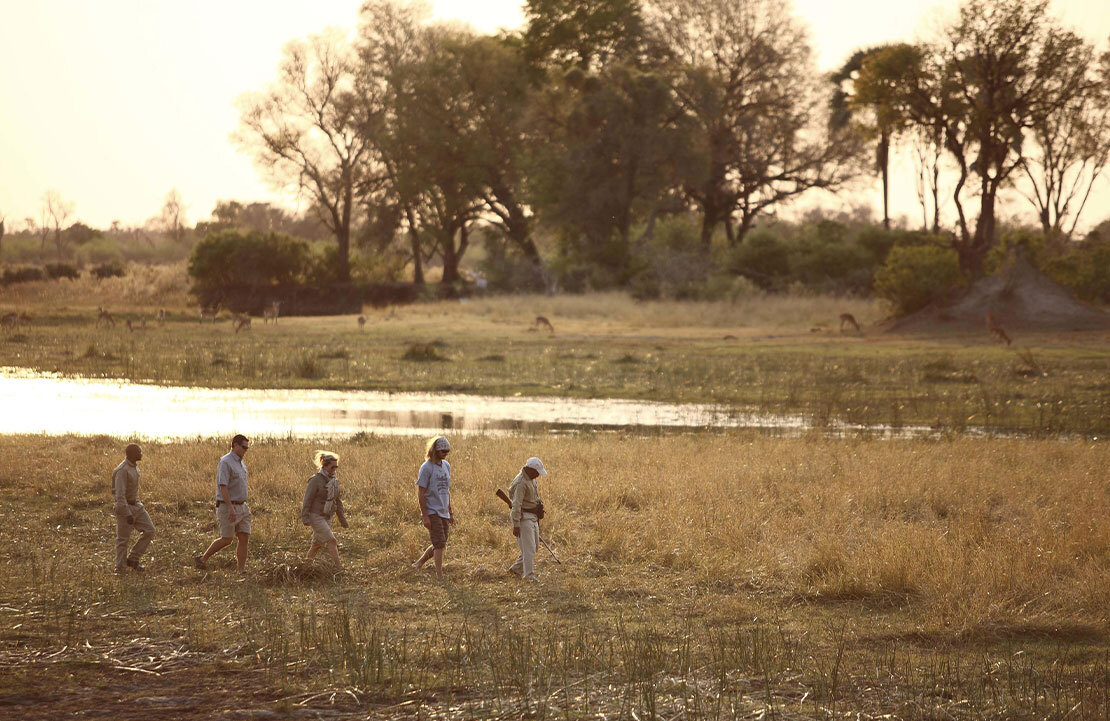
242, 321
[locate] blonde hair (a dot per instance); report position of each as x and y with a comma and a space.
431, 447
324, 456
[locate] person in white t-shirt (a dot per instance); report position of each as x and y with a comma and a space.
433, 493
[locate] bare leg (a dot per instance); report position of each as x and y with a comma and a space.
218, 544
241, 550
312, 551
438, 554
423, 559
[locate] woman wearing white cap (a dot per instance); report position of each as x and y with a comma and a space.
433, 492
321, 500
526, 513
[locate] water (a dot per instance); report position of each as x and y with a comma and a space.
46, 403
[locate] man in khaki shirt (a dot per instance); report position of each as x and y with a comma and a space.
130, 514
525, 494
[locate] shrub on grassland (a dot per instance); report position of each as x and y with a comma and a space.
914, 276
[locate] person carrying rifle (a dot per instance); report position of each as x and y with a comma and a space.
527, 510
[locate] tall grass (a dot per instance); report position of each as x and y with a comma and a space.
146, 287
705, 575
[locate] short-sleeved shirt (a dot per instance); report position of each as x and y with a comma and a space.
435, 479
232, 472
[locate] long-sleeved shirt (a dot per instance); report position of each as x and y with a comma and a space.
525, 494
125, 487
322, 498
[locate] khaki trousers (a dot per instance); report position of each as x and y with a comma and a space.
524, 565
123, 533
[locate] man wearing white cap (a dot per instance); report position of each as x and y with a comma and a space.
526, 514
433, 492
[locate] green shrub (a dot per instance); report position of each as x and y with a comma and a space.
61, 270
99, 250
110, 269
672, 263
763, 258
912, 277
232, 258
1085, 270
23, 274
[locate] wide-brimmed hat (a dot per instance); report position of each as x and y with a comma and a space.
536, 465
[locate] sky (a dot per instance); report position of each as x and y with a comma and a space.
115, 103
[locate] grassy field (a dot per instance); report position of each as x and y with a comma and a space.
769, 354
704, 576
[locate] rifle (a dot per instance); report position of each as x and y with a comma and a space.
505, 497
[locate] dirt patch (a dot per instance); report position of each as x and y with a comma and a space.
1019, 298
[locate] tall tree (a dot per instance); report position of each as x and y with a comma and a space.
866, 91
56, 210
491, 73
587, 34
744, 73
389, 43
615, 146
306, 132
435, 118
1002, 66
1070, 152
173, 216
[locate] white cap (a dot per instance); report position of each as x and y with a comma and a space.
536, 465
441, 444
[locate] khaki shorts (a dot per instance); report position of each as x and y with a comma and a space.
242, 520
321, 531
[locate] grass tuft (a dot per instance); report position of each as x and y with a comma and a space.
422, 353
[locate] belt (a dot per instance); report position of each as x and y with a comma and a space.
234, 503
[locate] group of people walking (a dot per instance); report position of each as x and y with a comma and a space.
322, 502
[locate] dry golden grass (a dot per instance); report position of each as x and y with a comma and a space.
968, 534
810, 562
147, 287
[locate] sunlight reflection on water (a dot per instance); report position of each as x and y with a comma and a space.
47, 403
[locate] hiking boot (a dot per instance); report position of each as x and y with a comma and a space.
135, 565
198, 561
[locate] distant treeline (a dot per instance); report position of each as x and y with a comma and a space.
651, 145
568, 145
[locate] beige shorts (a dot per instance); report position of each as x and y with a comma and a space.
242, 520
321, 531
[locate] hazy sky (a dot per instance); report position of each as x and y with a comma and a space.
116, 102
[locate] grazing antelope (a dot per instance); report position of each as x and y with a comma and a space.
361, 322
161, 316
271, 313
542, 322
848, 319
103, 316
9, 320
242, 322
209, 312
993, 328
